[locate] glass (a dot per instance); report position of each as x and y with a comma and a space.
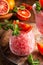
23, 44
38, 19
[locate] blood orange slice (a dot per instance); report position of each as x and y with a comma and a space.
4, 7
23, 14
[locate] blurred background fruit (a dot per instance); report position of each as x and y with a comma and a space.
11, 4
4, 7
40, 47
23, 14
7, 16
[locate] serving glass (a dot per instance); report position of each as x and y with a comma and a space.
38, 20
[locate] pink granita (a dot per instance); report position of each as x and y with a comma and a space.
23, 44
38, 19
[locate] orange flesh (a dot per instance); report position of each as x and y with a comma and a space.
23, 13
23, 26
40, 44
40, 47
3, 7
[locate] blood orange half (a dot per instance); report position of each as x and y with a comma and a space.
4, 7
23, 14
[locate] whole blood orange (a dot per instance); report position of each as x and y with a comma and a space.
4, 7
11, 4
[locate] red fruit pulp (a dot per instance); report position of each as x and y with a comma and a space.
23, 26
4, 7
23, 14
28, 7
41, 3
40, 47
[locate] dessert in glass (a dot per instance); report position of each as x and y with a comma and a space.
38, 11
24, 43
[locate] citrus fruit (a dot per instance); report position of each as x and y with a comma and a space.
6, 16
41, 3
40, 47
23, 14
28, 7
11, 4
4, 7
23, 26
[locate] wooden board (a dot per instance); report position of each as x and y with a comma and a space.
22, 60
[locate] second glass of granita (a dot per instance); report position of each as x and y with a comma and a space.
38, 11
